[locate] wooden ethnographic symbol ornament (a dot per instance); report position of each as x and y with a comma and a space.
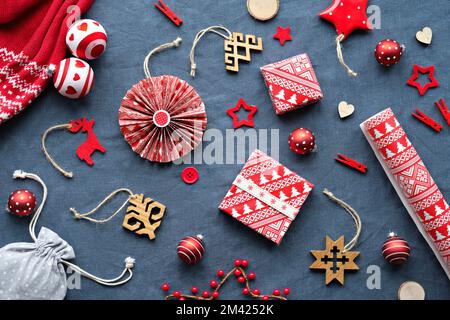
338, 257
334, 260
263, 9
345, 109
143, 216
411, 290
425, 35
237, 47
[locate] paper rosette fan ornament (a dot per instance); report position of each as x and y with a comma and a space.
162, 118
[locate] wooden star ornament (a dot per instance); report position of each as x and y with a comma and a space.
283, 34
347, 15
334, 260
433, 83
232, 112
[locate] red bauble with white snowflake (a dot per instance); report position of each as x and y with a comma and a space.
395, 250
86, 39
191, 249
22, 202
388, 52
302, 141
73, 78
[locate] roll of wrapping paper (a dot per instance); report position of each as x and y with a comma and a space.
412, 181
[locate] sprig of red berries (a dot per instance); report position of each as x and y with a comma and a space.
241, 276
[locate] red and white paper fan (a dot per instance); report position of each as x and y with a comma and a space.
162, 118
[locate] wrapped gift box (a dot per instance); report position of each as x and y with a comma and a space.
292, 83
266, 196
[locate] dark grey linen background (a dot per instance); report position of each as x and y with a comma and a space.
135, 27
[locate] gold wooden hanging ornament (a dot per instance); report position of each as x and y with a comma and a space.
143, 215
337, 258
234, 44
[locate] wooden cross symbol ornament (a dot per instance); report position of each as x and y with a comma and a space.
240, 42
143, 216
334, 260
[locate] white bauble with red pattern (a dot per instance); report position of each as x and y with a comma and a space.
73, 78
86, 39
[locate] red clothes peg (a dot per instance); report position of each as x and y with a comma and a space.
419, 115
444, 110
351, 163
169, 13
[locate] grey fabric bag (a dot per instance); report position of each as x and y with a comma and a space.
35, 271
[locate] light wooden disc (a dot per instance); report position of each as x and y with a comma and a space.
411, 290
263, 9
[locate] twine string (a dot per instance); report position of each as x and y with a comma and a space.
67, 174
339, 39
174, 44
352, 212
199, 36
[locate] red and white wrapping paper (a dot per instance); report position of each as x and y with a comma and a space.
292, 83
412, 181
266, 196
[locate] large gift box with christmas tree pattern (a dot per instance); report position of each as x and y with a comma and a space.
292, 83
266, 196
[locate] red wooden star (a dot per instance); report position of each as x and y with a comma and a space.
347, 15
415, 75
232, 112
283, 34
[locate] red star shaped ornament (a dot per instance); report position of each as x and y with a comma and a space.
232, 112
347, 15
283, 34
433, 83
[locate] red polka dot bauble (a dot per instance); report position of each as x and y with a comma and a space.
86, 39
302, 141
395, 250
388, 52
191, 249
22, 202
73, 78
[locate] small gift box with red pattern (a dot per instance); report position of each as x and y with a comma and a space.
292, 83
266, 196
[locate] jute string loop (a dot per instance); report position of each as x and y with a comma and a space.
352, 212
199, 36
175, 43
129, 262
65, 173
339, 39
86, 216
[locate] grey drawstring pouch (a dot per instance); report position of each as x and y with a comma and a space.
35, 271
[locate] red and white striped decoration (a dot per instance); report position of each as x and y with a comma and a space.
73, 78
86, 39
395, 250
191, 249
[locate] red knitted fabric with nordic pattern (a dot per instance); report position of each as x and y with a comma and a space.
32, 41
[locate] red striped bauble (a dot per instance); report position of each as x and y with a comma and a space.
395, 250
191, 249
73, 78
86, 39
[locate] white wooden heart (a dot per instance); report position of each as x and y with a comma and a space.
425, 35
345, 109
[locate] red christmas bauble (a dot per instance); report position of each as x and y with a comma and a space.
22, 202
302, 141
191, 249
388, 52
395, 250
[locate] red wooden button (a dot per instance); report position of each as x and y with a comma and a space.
190, 175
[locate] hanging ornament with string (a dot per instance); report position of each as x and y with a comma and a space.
162, 118
347, 16
237, 46
337, 257
84, 151
143, 215
36, 271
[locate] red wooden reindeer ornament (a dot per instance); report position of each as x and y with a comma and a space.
84, 151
